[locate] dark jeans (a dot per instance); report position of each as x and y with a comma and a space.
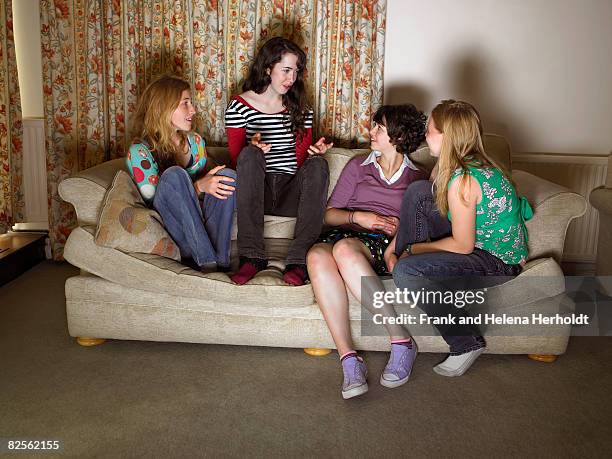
302, 195
201, 228
420, 220
443, 271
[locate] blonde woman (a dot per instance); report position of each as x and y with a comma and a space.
167, 161
469, 233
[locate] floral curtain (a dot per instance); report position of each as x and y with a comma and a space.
12, 204
98, 56
348, 70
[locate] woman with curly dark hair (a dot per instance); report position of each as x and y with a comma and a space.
364, 208
269, 133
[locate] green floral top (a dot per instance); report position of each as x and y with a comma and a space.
500, 215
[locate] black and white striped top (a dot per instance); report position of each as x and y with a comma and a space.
282, 157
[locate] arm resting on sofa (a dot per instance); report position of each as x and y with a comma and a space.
554, 208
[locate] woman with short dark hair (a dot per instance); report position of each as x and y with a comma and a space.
364, 210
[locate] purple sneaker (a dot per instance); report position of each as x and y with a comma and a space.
355, 374
399, 367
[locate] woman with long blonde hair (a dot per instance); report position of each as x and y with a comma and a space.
468, 233
167, 162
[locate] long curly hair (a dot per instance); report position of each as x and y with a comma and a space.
462, 146
405, 126
152, 123
259, 79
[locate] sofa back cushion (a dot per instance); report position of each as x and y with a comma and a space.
86, 190
128, 225
495, 145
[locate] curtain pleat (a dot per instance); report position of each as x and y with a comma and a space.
12, 203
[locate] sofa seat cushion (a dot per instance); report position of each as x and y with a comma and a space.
128, 225
540, 279
163, 275
275, 227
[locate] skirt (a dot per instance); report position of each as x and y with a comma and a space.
375, 242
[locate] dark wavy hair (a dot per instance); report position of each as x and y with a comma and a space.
258, 80
405, 125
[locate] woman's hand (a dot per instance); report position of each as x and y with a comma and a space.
392, 226
389, 256
211, 184
256, 140
390, 260
320, 147
377, 223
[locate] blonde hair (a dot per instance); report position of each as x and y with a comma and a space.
152, 121
462, 145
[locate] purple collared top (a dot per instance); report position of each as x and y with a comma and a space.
363, 186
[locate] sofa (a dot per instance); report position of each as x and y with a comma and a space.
601, 199
141, 296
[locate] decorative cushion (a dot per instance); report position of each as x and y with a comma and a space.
128, 225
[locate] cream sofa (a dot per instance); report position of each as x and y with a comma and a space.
135, 296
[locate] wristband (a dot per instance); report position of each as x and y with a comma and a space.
350, 218
409, 249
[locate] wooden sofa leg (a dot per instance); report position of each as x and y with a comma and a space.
547, 358
316, 352
88, 342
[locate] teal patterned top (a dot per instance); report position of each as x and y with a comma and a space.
144, 169
500, 215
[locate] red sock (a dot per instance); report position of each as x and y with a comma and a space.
246, 272
295, 275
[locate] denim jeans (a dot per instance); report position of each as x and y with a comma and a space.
302, 195
443, 271
420, 221
200, 227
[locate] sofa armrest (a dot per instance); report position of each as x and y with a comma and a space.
601, 199
86, 189
554, 207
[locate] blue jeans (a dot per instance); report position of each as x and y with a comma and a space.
201, 228
443, 271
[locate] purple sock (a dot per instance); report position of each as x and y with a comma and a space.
403, 342
343, 357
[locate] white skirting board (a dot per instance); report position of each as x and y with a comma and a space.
35, 173
579, 173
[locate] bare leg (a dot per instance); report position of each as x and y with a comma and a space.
355, 261
330, 292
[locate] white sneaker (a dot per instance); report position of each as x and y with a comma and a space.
456, 365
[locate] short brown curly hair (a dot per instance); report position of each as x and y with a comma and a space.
405, 125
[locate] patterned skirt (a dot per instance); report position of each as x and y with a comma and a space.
375, 242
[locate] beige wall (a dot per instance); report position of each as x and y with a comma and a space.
539, 71
26, 26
